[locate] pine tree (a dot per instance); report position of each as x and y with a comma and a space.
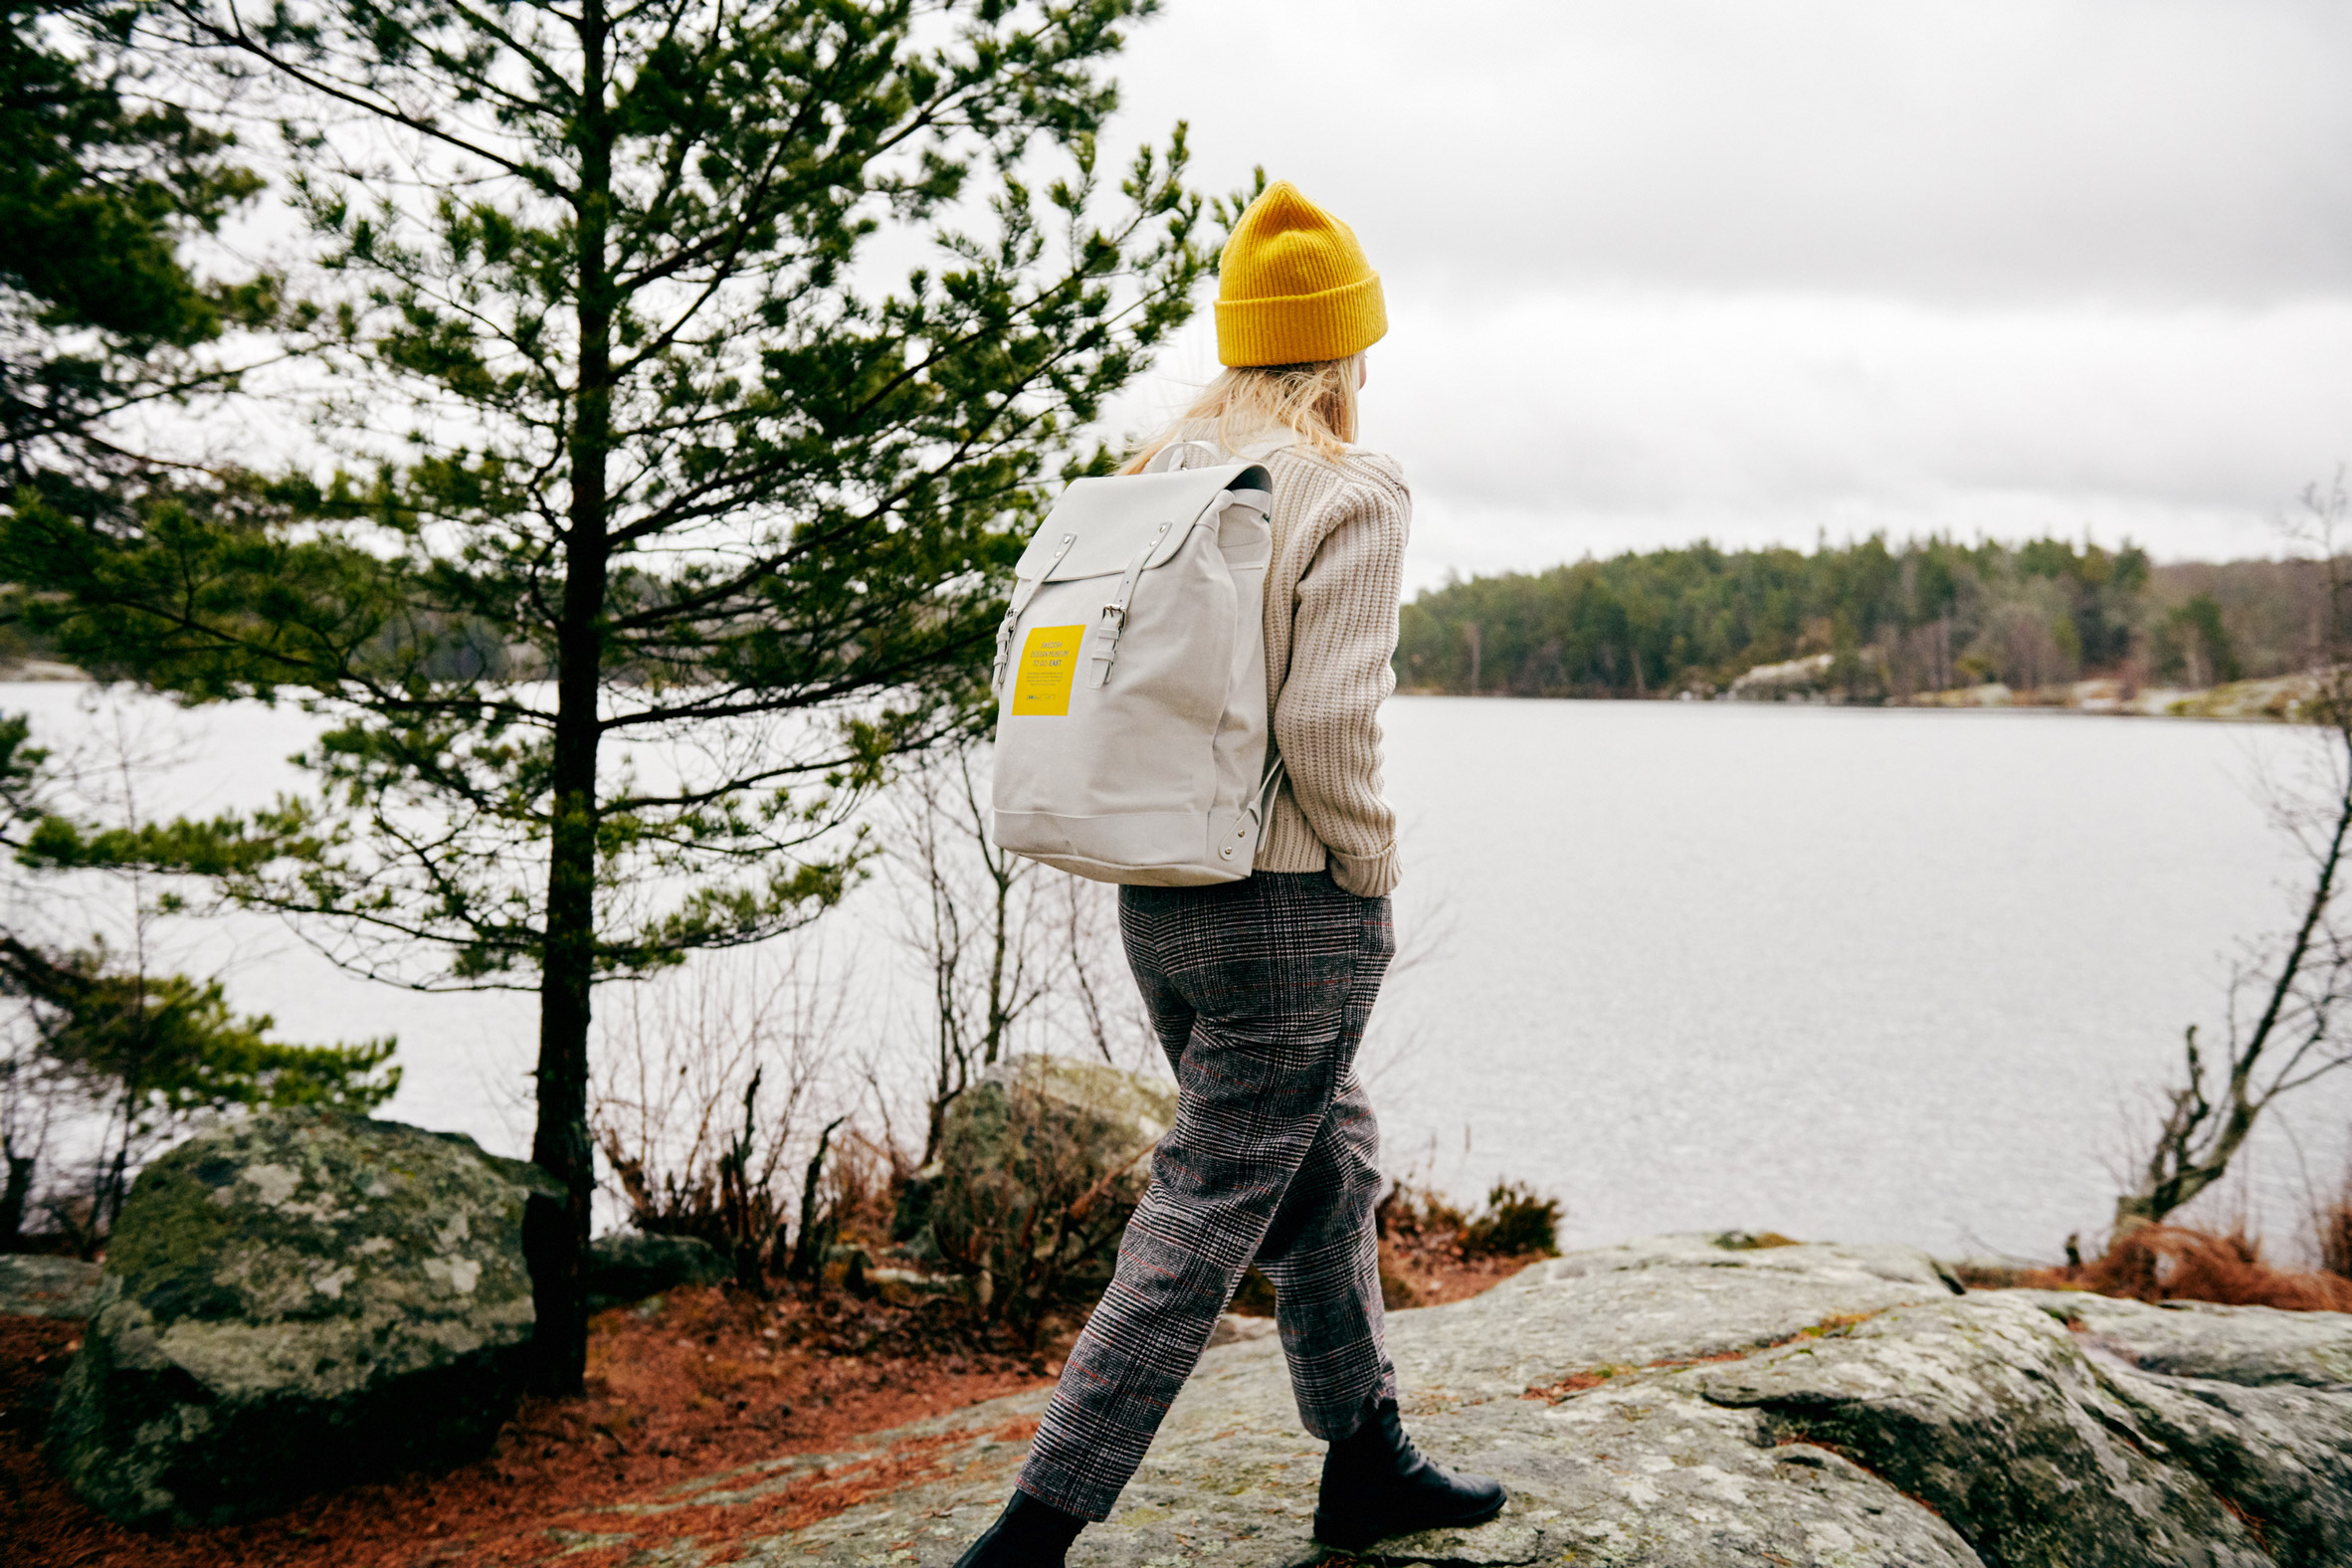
100, 188
679, 517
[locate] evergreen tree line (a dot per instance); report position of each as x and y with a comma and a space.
1928, 615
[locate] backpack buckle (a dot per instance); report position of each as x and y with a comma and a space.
1114, 612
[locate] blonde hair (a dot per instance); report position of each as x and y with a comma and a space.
1314, 401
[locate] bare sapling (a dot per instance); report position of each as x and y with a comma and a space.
1013, 952
702, 1096
966, 915
1107, 1010
1038, 1230
2282, 1029
818, 1224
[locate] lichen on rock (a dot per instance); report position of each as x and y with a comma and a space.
32, 1286
1035, 1140
293, 1301
1675, 1404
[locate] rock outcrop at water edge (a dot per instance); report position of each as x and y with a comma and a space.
1671, 1403
294, 1301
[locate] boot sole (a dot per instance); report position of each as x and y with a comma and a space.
1350, 1541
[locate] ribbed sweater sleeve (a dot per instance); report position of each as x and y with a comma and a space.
1343, 635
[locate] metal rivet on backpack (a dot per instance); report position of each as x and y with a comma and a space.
1227, 852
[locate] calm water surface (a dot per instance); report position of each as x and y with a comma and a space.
1879, 976
1876, 975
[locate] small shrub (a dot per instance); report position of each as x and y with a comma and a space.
1415, 1218
1516, 1223
1419, 1230
2334, 1224
2172, 1262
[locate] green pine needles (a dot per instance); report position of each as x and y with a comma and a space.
100, 185
700, 369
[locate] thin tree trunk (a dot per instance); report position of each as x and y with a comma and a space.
2177, 1171
808, 1253
14, 1197
998, 1018
555, 1231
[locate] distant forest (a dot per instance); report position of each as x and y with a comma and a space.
1926, 617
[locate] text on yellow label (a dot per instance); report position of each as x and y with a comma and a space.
1049, 663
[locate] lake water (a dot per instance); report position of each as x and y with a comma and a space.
1870, 975
1866, 974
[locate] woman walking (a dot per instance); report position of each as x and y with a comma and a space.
1259, 990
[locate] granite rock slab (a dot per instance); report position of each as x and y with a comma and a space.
1675, 1404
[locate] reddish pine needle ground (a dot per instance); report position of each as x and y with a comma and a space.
711, 1381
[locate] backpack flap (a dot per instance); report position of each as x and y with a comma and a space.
1122, 524
1104, 521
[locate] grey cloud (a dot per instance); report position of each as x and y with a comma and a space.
1669, 269
1961, 147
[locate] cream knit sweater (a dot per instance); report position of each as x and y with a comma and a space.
1339, 530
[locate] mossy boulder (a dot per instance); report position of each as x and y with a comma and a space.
36, 1287
298, 1300
633, 1266
1040, 1162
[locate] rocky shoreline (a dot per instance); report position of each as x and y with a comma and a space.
1816, 680
1677, 1402
1669, 1403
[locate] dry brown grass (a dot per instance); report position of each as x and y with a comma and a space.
2176, 1263
2333, 1223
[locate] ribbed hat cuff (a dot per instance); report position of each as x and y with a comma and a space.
1296, 330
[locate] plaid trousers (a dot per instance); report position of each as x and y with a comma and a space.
1259, 991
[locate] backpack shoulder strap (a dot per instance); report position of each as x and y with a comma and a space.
1182, 455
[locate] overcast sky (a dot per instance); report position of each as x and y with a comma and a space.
1664, 270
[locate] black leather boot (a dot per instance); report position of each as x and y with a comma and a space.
1028, 1534
1377, 1485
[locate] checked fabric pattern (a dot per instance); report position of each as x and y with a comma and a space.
1259, 991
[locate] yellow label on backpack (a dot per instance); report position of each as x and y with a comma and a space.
1049, 663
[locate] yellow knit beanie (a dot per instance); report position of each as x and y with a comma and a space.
1294, 286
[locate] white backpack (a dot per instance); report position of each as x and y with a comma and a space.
1132, 739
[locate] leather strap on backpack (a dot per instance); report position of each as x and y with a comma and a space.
1114, 621
1023, 591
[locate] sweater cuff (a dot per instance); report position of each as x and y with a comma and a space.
1366, 876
